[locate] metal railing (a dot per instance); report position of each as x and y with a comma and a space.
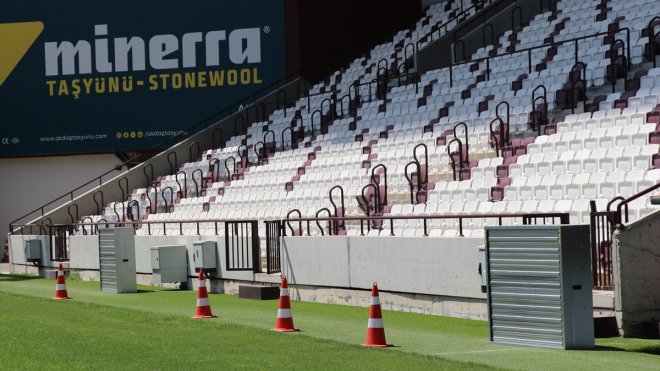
274, 230
366, 223
438, 27
544, 46
622, 213
603, 225
198, 127
601, 249
242, 250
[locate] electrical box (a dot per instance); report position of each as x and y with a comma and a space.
204, 255
169, 264
33, 250
539, 286
117, 260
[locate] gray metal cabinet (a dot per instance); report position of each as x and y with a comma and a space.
169, 264
204, 255
117, 260
33, 250
539, 286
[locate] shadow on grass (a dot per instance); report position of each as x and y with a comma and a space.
651, 349
17, 277
654, 349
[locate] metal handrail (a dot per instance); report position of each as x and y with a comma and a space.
214, 167
377, 182
201, 180
530, 49
498, 141
98, 206
299, 224
651, 34
153, 207
527, 217
446, 24
68, 210
467, 143
543, 115
183, 191
174, 166
628, 200
124, 191
563, 219
365, 199
190, 152
144, 171
167, 205
177, 138
453, 160
319, 224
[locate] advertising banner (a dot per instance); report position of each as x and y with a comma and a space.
90, 77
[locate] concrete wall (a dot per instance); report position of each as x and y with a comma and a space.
28, 183
17, 253
84, 253
637, 276
423, 275
434, 266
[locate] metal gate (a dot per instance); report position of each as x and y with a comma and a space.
602, 227
273, 235
242, 249
58, 238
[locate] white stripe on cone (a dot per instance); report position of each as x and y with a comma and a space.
202, 302
284, 313
284, 291
375, 300
60, 273
202, 283
375, 323
60, 287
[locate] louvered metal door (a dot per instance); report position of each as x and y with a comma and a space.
117, 260
537, 291
108, 260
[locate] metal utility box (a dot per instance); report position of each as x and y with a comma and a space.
117, 260
33, 250
204, 255
169, 264
539, 286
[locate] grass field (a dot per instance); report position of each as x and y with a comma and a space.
153, 330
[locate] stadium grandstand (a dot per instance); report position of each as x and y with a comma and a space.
388, 164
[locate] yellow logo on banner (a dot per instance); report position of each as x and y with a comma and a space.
15, 40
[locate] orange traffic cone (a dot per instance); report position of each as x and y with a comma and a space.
60, 287
203, 306
375, 328
284, 322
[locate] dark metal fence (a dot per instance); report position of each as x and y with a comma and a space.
602, 227
58, 242
242, 251
273, 239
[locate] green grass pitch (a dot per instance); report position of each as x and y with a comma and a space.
153, 330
